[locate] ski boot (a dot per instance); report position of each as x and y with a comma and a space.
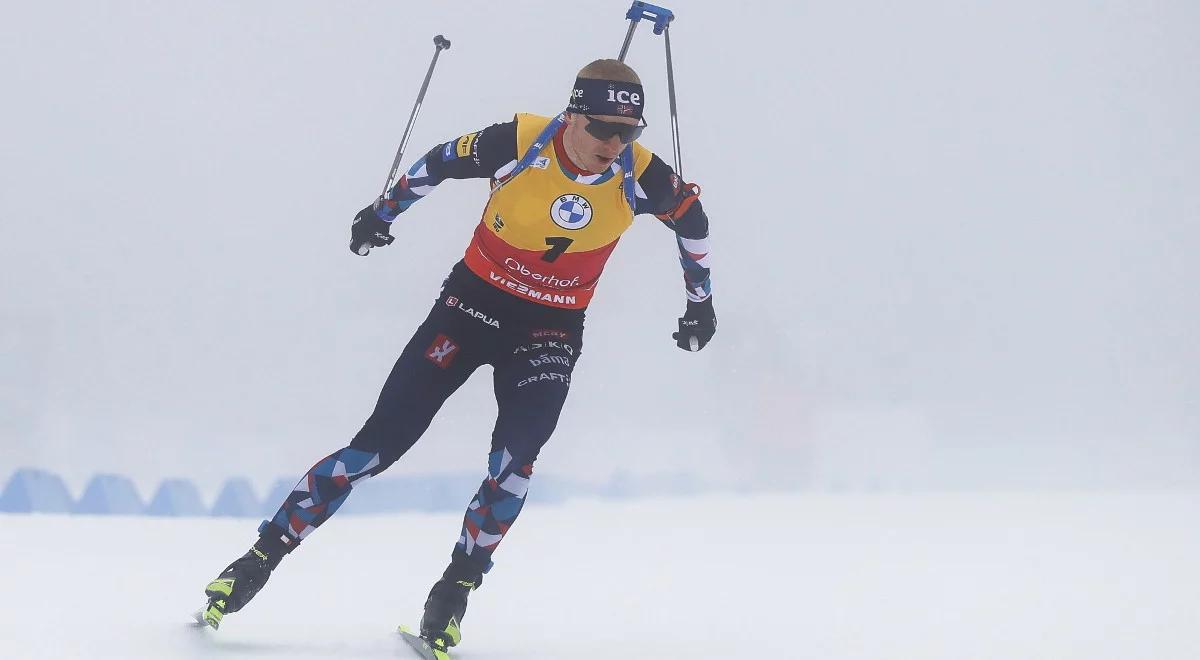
242, 579
447, 604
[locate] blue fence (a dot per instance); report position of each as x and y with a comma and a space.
31, 490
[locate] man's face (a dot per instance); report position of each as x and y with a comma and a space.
597, 154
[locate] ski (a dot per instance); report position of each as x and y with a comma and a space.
421, 646
207, 617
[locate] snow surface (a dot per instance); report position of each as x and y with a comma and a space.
1005, 576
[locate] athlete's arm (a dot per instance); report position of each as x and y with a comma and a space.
472, 156
659, 191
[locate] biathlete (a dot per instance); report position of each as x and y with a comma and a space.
563, 190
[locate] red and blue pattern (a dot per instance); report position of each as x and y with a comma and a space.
414, 185
495, 507
323, 489
693, 257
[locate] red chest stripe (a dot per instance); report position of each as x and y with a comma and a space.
568, 281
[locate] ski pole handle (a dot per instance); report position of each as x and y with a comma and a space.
639, 10
661, 15
441, 43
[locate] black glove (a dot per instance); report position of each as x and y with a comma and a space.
697, 326
369, 230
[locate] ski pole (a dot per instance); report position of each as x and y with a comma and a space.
674, 114
662, 21
441, 44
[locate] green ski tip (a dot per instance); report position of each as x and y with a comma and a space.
209, 617
421, 646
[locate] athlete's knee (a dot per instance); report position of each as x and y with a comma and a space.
385, 457
385, 438
522, 442
510, 472
323, 489
336, 474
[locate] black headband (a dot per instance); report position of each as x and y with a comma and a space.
607, 97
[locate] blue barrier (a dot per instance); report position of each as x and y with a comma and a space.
627, 485
38, 491
35, 491
176, 497
277, 494
431, 493
110, 494
237, 500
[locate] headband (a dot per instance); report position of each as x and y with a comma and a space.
607, 97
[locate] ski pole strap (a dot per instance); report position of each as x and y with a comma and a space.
545, 137
533, 151
688, 195
626, 161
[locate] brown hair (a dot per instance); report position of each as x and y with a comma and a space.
610, 70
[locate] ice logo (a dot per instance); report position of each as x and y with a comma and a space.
571, 212
623, 96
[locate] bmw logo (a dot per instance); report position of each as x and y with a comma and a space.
571, 212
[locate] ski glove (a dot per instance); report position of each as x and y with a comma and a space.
369, 230
697, 325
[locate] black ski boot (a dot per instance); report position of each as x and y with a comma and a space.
447, 604
242, 579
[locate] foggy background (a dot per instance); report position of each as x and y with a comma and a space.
954, 244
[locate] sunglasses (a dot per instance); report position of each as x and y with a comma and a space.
604, 130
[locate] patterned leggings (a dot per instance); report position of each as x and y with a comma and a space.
533, 350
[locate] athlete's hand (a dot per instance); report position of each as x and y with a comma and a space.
697, 325
369, 230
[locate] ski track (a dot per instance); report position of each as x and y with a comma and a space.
932, 576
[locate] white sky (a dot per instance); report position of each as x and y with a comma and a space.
958, 236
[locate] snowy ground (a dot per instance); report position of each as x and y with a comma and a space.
1005, 576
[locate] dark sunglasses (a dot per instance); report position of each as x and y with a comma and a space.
604, 130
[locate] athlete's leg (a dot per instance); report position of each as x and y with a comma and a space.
451, 343
533, 374
531, 386
442, 353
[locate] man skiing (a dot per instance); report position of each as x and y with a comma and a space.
563, 190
